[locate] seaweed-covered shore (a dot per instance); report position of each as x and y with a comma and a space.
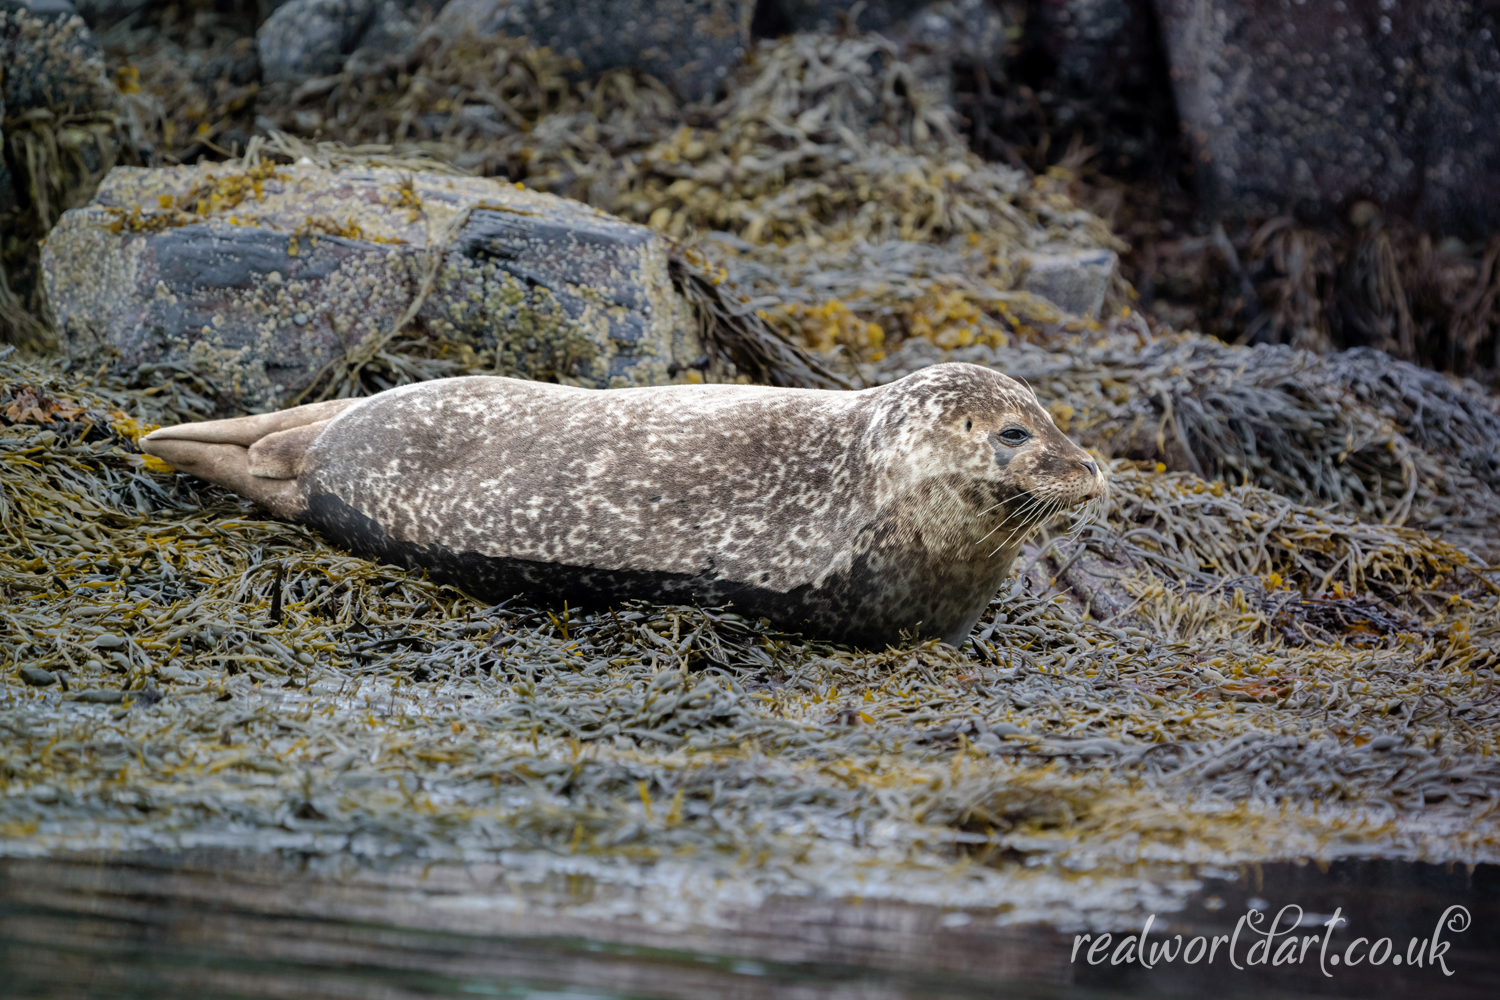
1275, 680
1280, 641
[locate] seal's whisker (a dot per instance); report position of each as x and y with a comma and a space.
1026, 513
1086, 515
1010, 499
1009, 517
1028, 505
1050, 507
1001, 503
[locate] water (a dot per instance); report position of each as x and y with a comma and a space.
245, 926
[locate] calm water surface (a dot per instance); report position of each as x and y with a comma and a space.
165, 928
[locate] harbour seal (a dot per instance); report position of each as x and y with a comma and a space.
848, 516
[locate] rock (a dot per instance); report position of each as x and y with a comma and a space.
37, 677
100, 696
970, 27
774, 18
263, 279
238, 65
310, 38
1313, 106
55, 138
690, 45
1075, 281
49, 60
9, 203
1098, 46
104, 13
269, 7
934, 38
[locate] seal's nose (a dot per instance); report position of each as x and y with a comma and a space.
1091, 465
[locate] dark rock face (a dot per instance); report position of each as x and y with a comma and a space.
52, 81
1312, 106
784, 17
8, 201
262, 290
49, 59
690, 45
102, 13
1097, 45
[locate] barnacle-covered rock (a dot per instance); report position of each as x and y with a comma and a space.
267, 279
1311, 106
50, 59
691, 45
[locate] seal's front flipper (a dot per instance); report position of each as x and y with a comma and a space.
279, 455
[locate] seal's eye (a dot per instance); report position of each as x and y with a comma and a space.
1015, 436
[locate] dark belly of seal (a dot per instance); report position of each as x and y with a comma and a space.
820, 611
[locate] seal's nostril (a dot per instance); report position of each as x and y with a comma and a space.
1089, 464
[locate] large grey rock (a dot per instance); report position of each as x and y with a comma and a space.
308, 38
690, 45
263, 292
49, 60
1310, 106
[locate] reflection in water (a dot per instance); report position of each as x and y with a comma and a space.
253, 927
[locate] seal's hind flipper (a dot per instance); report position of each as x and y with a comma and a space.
228, 466
245, 431
256, 457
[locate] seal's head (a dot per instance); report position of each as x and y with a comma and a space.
984, 452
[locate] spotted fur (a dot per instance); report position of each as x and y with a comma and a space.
852, 516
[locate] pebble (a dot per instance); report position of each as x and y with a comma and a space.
99, 696
37, 677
